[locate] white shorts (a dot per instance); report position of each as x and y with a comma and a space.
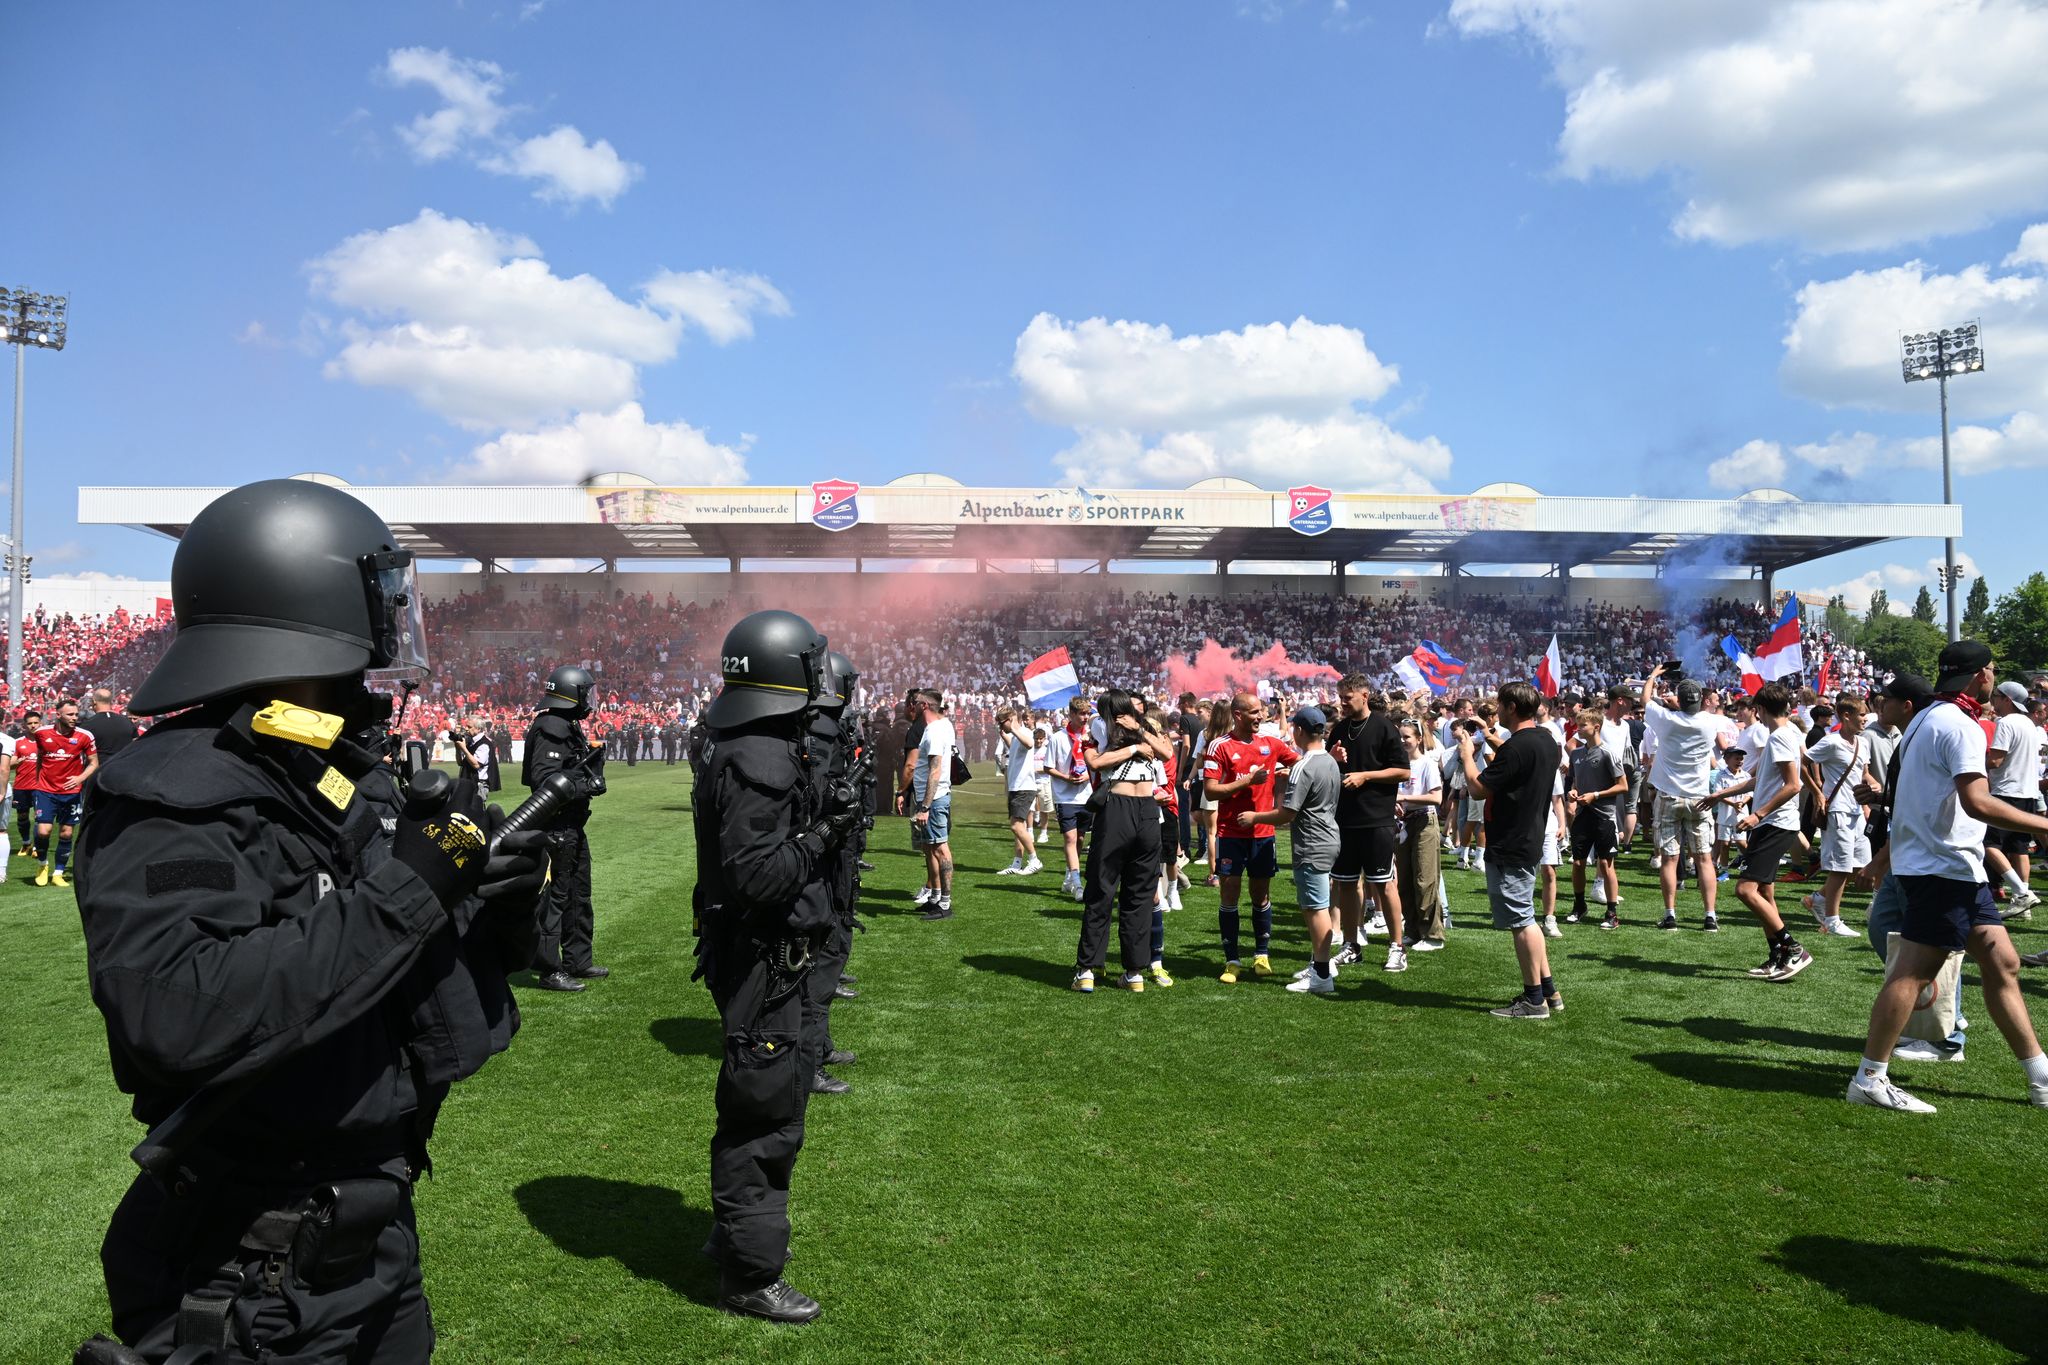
1845, 843
1726, 818
1553, 855
1045, 796
1683, 824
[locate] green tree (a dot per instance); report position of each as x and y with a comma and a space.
1901, 644
1842, 623
1977, 609
1880, 607
2018, 625
1923, 606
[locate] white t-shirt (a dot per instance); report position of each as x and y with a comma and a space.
1785, 745
1017, 765
932, 778
1932, 835
1842, 765
1423, 777
1685, 751
7, 748
1617, 739
2019, 777
1750, 739
1062, 760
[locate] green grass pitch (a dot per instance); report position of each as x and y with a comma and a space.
1207, 1173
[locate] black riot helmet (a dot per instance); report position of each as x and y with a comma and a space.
835, 687
569, 691
773, 664
280, 581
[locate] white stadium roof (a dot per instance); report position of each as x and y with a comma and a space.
620, 517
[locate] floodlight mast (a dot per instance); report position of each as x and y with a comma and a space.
1936, 356
26, 319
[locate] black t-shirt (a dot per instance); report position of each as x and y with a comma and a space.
1521, 779
110, 733
1370, 743
1191, 727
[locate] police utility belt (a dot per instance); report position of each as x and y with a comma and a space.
789, 956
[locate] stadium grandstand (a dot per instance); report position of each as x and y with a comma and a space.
927, 581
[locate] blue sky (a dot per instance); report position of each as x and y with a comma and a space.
1388, 245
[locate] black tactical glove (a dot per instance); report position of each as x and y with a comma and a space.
517, 867
439, 842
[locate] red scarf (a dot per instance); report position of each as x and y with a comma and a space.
1970, 706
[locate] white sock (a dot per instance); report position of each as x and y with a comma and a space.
2036, 1068
2013, 882
1874, 1071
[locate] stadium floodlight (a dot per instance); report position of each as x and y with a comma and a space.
26, 319
1936, 356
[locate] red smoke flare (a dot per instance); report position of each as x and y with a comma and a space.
1216, 672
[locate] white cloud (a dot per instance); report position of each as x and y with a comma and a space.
475, 325
721, 302
469, 93
1848, 124
1901, 584
1759, 464
597, 443
1273, 404
568, 168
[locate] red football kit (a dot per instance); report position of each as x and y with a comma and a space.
1229, 759
61, 758
25, 780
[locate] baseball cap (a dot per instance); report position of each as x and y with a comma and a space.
1689, 694
1909, 687
1961, 660
1311, 718
2014, 692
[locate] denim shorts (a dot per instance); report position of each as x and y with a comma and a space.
1511, 892
938, 826
1312, 887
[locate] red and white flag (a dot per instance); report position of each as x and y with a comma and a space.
1550, 672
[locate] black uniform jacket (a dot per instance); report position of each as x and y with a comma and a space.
754, 857
554, 743
251, 937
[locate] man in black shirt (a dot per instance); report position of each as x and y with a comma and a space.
111, 731
1368, 747
1516, 787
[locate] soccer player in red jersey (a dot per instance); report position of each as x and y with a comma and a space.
1237, 774
25, 784
65, 757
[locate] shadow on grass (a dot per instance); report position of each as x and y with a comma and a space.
1056, 974
687, 1036
1380, 990
1759, 1076
648, 1229
1954, 1291
1629, 962
1716, 1030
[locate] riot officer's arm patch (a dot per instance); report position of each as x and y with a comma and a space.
188, 874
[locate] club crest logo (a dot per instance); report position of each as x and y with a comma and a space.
835, 504
1308, 509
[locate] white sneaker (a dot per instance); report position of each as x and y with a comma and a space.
1080, 889
1197, 862
1041, 836
923, 896
1173, 898
1550, 929
1880, 1093
1597, 893
1397, 961
1376, 925
1016, 866
1427, 945
2037, 1094
1814, 905
1031, 868
1308, 983
1920, 1050
1837, 929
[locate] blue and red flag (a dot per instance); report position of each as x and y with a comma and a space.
1782, 653
1431, 666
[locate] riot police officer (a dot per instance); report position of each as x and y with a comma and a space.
765, 841
555, 743
835, 762
290, 988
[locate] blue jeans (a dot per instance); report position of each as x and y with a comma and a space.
1887, 914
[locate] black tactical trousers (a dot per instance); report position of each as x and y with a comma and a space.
762, 1090
566, 915
827, 966
162, 1247
1122, 870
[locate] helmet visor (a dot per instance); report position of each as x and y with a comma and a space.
400, 650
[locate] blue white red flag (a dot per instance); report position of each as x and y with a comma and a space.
1752, 681
1782, 653
1430, 666
1050, 681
